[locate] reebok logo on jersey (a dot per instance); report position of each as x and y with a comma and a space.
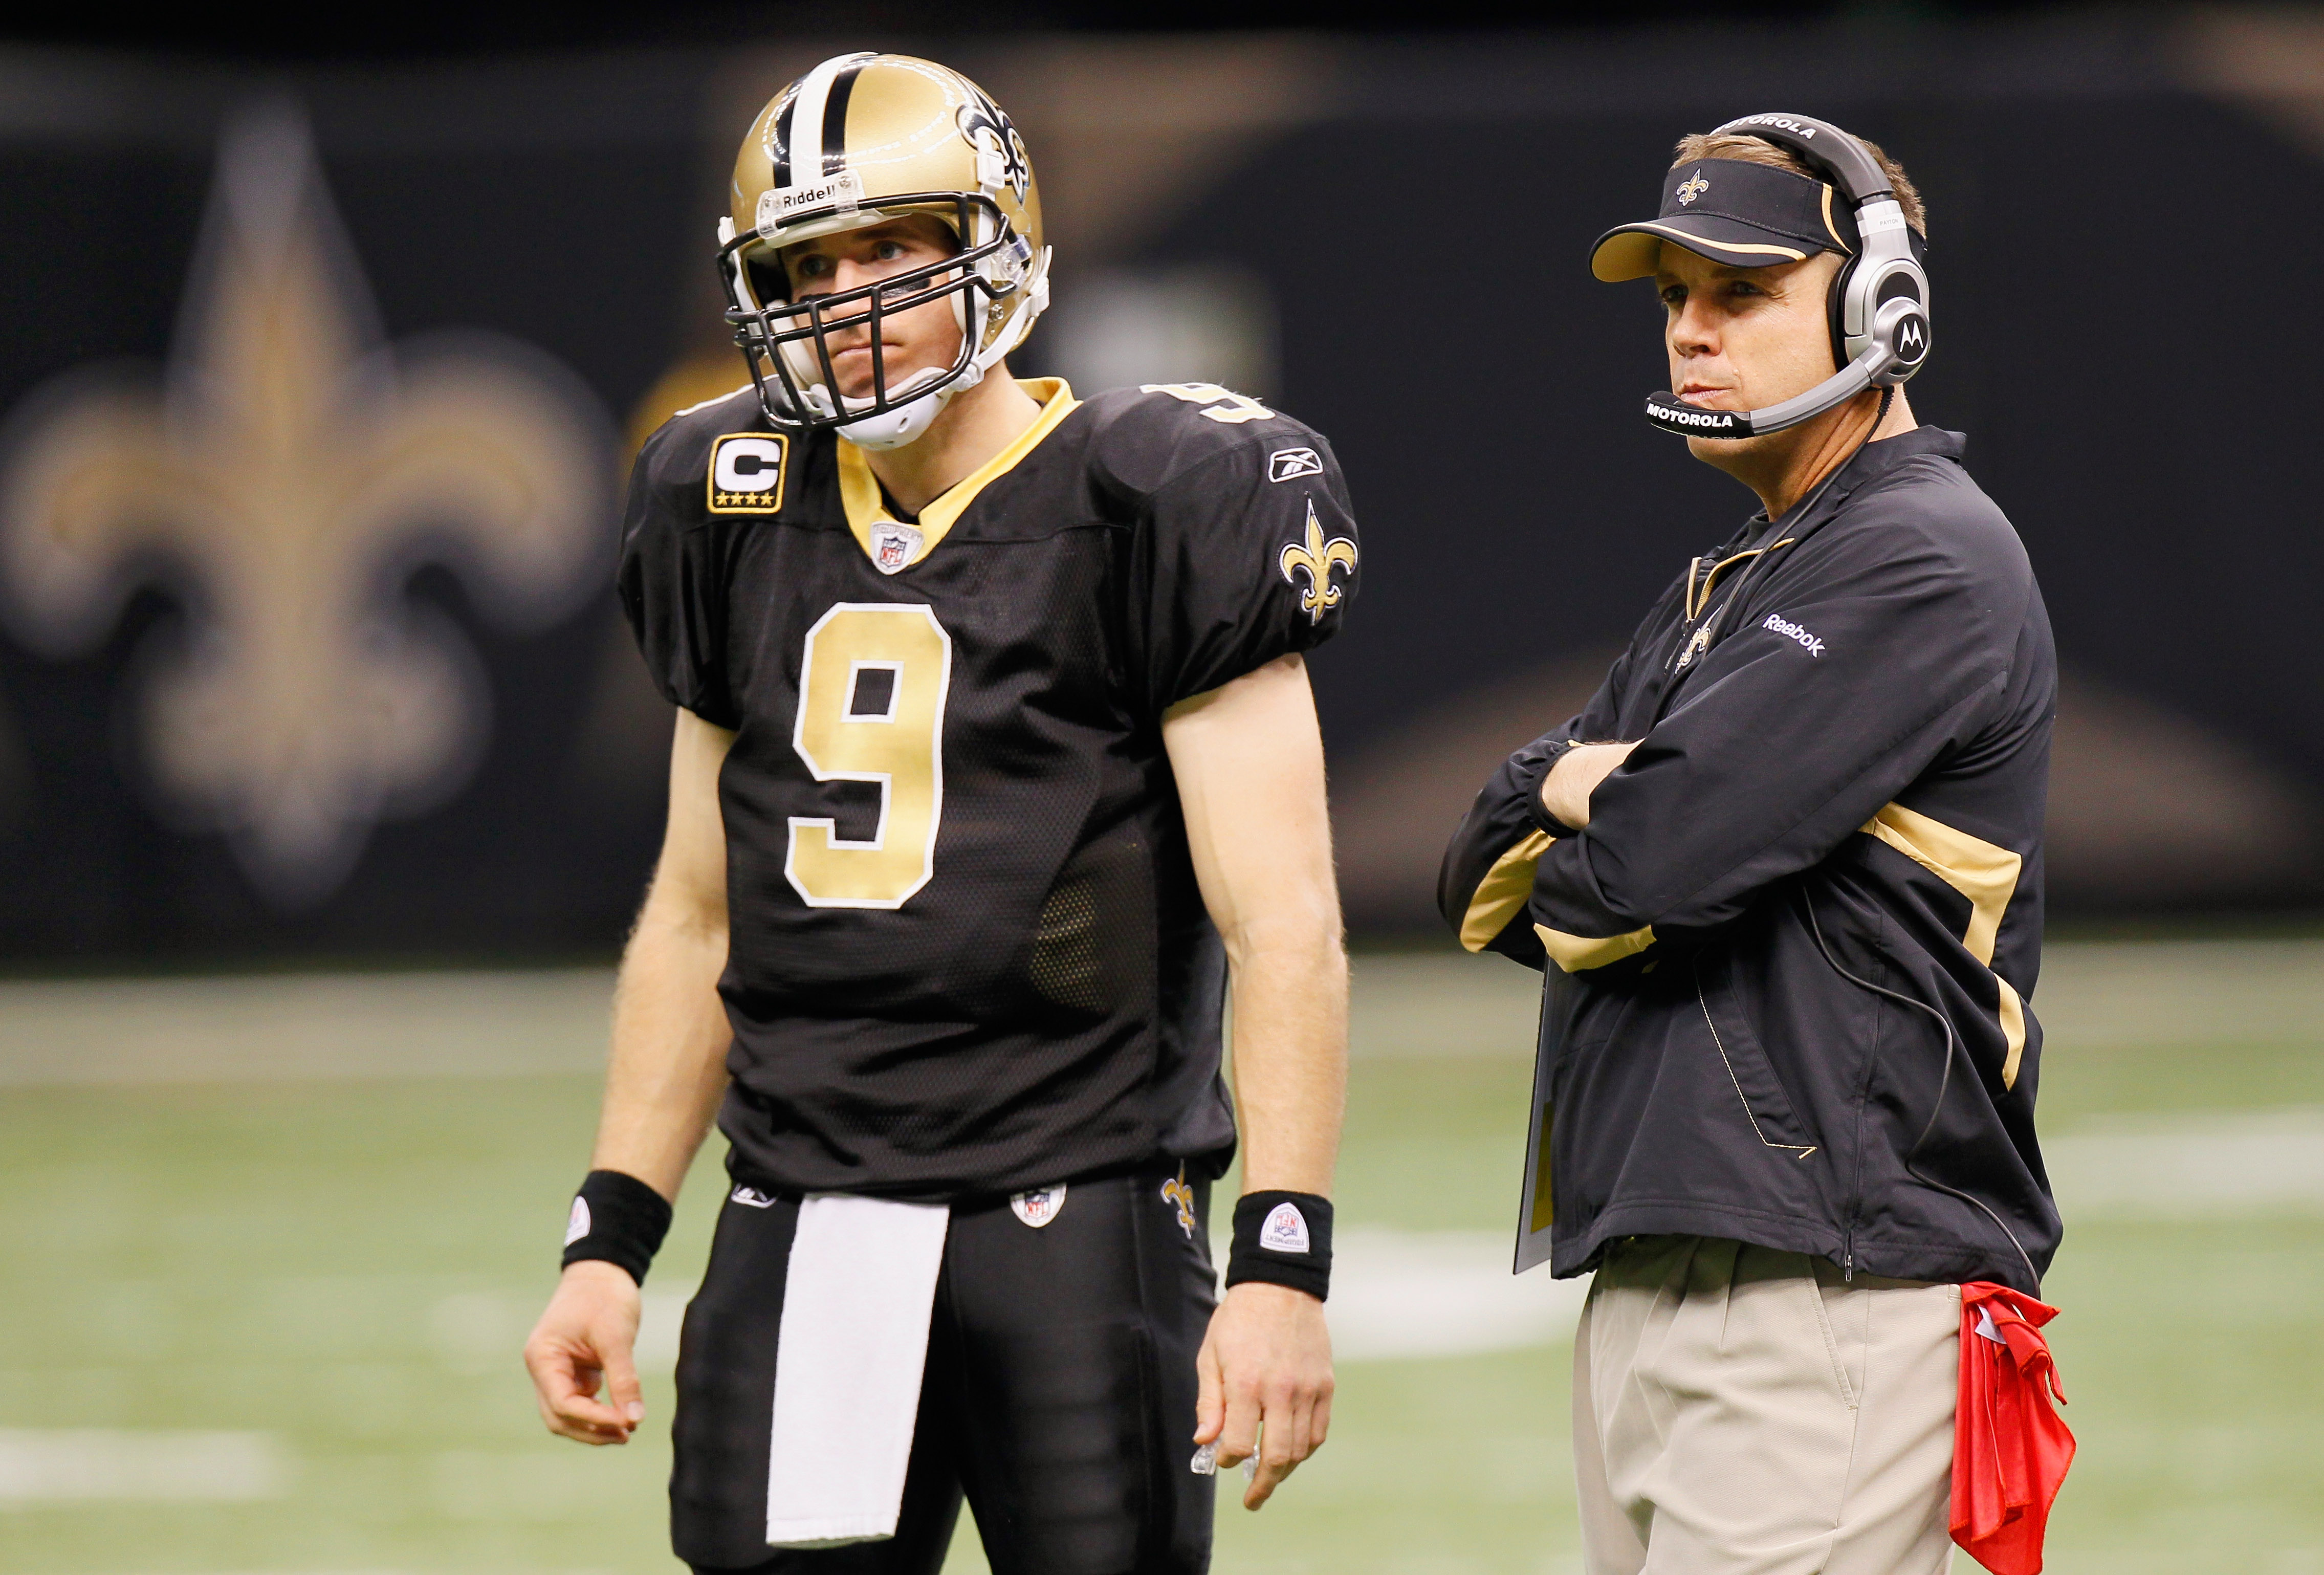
1286, 1229
1286, 463
1808, 642
1039, 1206
576, 1224
752, 1198
746, 473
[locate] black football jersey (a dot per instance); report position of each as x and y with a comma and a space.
967, 955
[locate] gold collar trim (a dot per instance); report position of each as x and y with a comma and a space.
859, 489
1698, 597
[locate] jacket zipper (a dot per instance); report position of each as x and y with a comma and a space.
1863, 1095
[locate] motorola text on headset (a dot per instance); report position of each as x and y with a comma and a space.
1879, 301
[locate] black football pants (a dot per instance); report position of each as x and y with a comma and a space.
1059, 1396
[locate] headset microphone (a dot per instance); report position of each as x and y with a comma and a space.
1880, 298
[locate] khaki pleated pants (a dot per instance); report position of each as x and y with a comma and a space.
1738, 1411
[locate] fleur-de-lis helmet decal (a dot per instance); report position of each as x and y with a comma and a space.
983, 114
1316, 559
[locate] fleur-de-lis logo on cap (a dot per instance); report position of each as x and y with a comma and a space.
1694, 186
296, 472
1315, 557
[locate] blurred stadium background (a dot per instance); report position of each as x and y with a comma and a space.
328, 779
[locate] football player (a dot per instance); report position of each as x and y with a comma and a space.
996, 765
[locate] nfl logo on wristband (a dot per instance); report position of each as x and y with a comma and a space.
1282, 1239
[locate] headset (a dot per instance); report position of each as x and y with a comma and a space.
1879, 301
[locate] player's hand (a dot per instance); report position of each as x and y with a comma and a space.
584, 1339
1566, 791
1265, 1372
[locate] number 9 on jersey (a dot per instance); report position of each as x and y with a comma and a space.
872, 682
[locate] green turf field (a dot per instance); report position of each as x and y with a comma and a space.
263, 1300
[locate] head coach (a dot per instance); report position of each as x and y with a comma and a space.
1784, 875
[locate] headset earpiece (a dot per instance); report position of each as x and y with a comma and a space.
1832, 301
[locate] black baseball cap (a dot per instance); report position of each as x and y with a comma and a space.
1734, 211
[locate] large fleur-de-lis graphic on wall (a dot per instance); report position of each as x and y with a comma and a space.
291, 473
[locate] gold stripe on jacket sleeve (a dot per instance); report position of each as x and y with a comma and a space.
1985, 874
1574, 954
1504, 892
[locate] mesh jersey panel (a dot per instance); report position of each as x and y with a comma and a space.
1046, 1003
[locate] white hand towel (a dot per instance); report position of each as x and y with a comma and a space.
854, 1344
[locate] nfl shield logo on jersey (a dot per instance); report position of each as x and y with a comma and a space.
1039, 1206
893, 546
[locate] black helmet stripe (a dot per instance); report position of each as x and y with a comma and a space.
783, 142
835, 120
818, 113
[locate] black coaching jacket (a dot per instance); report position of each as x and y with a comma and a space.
1789, 960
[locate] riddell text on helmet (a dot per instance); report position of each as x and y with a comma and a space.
840, 192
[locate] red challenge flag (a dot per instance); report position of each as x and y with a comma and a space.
2010, 1450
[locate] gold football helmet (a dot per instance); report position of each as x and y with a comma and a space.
860, 139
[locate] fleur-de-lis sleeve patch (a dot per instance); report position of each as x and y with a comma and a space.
1316, 559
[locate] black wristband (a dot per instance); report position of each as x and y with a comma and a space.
1282, 1238
616, 1219
1537, 777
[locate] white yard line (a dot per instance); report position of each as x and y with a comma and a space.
1399, 1294
53, 1466
2226, 1164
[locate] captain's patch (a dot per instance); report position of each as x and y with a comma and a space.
746, 473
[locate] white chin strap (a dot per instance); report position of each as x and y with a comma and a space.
907, 422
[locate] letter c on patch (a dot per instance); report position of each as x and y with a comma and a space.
749, 465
